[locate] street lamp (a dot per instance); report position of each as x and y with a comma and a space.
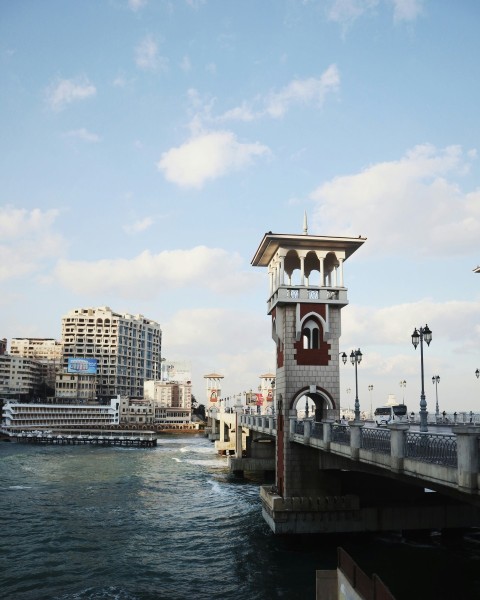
403, 384
418, 336
436, 381
370, 388
355, 359
477, 373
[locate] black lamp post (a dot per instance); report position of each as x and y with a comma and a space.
355, 359
477, 373
419, 336
436, 381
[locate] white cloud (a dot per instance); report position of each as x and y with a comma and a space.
84, 135
305, 92
407, 10
147, 274
136, 5
65, 91
139, 226
27, 239
186, 65
207, 334
404, 206
345, 12
207, 157
147, 56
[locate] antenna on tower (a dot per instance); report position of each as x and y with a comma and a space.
305, 226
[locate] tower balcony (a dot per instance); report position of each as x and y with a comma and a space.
292, 294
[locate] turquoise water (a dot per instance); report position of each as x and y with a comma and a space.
171, 523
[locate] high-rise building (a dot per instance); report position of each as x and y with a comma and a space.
127, 349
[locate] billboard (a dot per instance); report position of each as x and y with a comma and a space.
82, 366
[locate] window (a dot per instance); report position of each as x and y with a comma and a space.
311, 335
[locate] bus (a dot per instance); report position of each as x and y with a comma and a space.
386, 414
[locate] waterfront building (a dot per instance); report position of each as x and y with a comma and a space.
171, 400
3, 346
76, 386
32, 415
46, 351
127, 349
19, 377
135, 411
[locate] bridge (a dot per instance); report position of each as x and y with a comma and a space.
329, 477
352, 478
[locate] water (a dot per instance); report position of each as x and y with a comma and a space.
88, 523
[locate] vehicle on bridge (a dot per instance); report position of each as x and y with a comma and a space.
383, 415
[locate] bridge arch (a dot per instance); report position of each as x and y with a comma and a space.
321, 398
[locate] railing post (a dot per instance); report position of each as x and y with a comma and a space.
355, 429
327, 432
307, 430
467, 456
397, 445
238, 432
292, 424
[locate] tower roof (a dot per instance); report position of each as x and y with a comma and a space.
271, 242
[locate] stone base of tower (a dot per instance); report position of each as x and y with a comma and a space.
344, 514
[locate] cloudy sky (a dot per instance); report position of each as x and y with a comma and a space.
148, 145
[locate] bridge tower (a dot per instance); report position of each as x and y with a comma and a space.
306, 295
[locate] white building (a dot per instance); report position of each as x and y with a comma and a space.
127, 348
171, 400
36, 348
19, 377
46, 351
23, 416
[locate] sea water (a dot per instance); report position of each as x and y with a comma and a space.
172, 523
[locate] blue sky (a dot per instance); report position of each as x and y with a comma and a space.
148, 145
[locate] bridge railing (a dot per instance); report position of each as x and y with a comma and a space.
434, 448
378, 440
340, 434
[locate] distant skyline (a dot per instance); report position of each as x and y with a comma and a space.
148, 145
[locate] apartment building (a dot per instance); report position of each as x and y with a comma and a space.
127, 348
37, 348
46, 351
20, 377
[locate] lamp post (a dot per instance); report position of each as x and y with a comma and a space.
403, 385
418, 337
436, 381
355, 359
370, 388
477, 373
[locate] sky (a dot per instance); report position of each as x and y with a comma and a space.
146, 147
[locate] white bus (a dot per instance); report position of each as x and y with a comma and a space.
386, 414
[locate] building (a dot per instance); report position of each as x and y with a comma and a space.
171, 400
3, 346
20, 377
37, 348
136, 411
46, 351
23, 416
127, 349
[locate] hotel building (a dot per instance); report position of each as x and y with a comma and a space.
24, 416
